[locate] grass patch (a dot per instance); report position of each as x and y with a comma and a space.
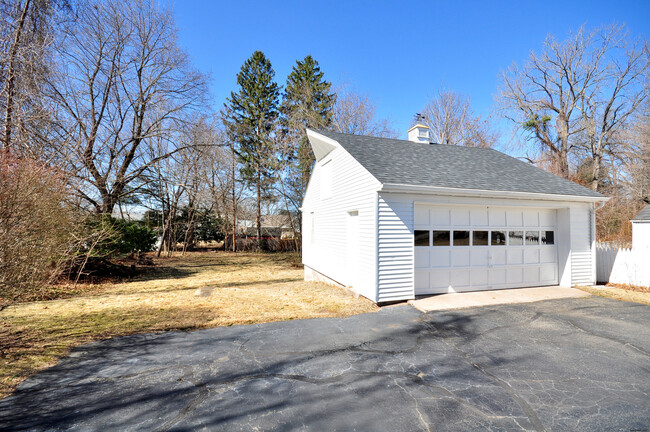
200, 290
621, 292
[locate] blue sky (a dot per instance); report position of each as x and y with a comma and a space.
398, 53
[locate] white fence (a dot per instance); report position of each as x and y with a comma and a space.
624, 266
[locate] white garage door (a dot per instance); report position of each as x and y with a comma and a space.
482, 248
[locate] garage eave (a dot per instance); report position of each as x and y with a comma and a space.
321, 145
418, 189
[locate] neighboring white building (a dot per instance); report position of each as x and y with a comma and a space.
641, 229
395, 219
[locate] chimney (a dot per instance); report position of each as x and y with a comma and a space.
419, 134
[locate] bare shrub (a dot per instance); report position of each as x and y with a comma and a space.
272, 245
34, 226
613, 221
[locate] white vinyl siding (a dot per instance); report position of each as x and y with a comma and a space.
395, 250
326, 179
641, 235
582, 270
353, 189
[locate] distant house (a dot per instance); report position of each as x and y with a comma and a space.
278, 226
128, 214
394, 219
641, 229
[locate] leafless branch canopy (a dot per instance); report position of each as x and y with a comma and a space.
451, 120
122, 82
577, 94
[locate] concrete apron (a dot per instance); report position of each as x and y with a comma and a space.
496, 297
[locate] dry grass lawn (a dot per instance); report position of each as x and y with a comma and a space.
621, 292
232, 289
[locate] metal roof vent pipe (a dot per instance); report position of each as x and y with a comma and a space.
420, 134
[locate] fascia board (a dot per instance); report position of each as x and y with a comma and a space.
394, 187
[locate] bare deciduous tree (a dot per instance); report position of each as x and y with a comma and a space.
451, 120
26, 34
636, 159
224, 185
354, 113
618, 89
122, 81
577, 94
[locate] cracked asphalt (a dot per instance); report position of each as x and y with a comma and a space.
571, 364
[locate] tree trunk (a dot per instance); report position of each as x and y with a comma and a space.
234, 206
258, 218
563, 164
563, 134
108, 204
597, 161
162, 224
171, 232
11, 76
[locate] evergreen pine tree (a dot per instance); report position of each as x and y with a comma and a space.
308, 103
251, 118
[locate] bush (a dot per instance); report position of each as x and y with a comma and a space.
271, 244
134, 236
35, 226
116, 237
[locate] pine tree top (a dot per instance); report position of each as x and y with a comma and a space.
308, 98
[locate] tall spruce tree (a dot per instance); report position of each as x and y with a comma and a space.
251, 121
308, 103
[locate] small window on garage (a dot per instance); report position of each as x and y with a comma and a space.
480, 238
461, 238
548, 237
498, 238
421, 238
441, 238
532, 238
515, 238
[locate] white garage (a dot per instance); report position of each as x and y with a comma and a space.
395, 219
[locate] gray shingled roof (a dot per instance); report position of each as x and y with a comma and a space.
644, 214
409, 163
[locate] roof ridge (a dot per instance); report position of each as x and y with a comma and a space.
324, 132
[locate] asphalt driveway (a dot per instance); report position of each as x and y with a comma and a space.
571, 364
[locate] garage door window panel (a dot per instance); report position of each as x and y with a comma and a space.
441, 238
515, 238
548, 237
461, 238
421, 238
480, 238
498, 238
532, 238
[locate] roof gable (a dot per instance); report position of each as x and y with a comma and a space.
403, 162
